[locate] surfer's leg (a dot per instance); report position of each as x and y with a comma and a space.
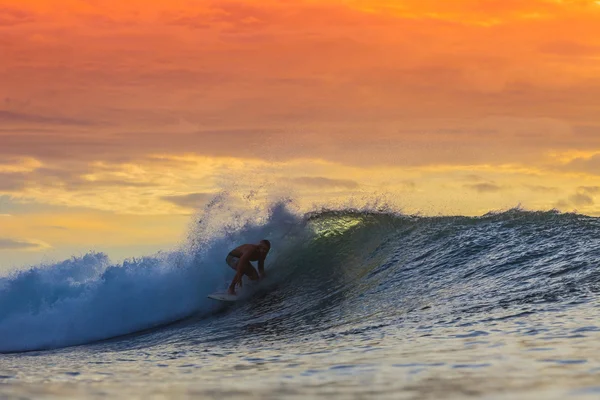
250, 272
232, 261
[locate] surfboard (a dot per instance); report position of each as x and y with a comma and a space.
226, 297
250, 288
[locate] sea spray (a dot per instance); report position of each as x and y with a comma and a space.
88, 298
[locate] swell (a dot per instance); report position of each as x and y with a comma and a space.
361, 271
331, 271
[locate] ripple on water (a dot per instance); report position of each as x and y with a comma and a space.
341, 367
472, 366
565, 362
542, 349
418, 365
587, 329
472, 334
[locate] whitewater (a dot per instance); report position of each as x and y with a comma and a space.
358, 303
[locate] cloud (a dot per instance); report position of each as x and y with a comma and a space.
562, 204
12, 182
581, 200
15, 117
589, 165
23, 205
193, 22
237, 17
76, 178
192, 200
340, 110
570, 49
591, 190
484, 187
12, 244
13, 16
60, 145
473, 178
55, 227
103, 183
229, 15
543, 189
325, 183
86, 147
389, 80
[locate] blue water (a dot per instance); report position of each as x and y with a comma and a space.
357, 304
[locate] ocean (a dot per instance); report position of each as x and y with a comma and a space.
357, 304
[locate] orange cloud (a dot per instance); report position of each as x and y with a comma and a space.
411, 84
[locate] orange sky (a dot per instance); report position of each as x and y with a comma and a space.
143, 110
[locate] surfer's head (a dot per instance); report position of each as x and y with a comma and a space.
264, 246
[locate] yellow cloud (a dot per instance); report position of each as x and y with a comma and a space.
17, 165
170, 184
21, 244
157, 211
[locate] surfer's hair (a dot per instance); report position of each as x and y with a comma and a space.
266, 242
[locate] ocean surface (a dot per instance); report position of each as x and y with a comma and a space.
356, 304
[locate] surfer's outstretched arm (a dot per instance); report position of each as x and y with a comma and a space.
261, 267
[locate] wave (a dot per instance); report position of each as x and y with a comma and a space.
365, 270
331, 268
88, 298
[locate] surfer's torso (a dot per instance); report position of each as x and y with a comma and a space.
254, 253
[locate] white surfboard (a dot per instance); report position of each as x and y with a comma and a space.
229, 298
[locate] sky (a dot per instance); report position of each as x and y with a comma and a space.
120, 120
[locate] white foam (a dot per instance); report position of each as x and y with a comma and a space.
87, 298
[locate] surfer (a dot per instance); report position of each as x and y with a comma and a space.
240, 257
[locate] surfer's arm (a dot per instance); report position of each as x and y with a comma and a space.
237, 279
261, 267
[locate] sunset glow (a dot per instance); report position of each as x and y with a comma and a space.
119, 120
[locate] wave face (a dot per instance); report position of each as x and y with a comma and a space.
366, 271
330, 271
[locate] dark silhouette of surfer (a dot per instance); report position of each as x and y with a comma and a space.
239, 259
